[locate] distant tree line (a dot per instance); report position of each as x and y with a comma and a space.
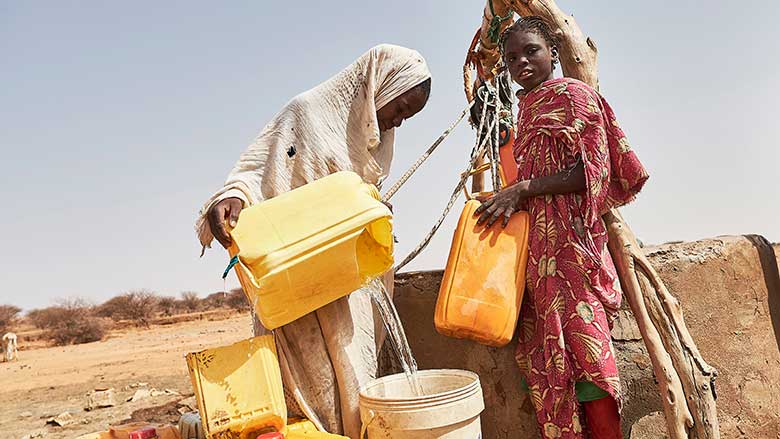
74, 321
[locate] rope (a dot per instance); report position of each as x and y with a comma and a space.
494, 30
494, 147
476, 152
231, 264
416, 165
481, 148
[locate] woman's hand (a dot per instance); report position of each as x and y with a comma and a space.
226, 211
502, 205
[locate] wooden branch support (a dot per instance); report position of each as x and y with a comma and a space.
685, 380
488, 49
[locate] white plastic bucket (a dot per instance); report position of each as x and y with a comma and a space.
449, 408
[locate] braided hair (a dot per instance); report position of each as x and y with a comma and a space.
534, 24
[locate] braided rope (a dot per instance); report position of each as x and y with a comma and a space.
476, 152
481, 148
494, 161
416, 165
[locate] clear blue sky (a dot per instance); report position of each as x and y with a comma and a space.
118, 119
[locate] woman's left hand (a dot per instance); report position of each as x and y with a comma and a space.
502, 205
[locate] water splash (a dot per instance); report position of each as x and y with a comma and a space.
395, 332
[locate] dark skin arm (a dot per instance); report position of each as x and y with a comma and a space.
507, 201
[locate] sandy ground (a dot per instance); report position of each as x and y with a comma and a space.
46, 382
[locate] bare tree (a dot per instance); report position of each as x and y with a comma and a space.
70, 321
8, 316
138, 306
190, 301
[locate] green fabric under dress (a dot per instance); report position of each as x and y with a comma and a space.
586, 391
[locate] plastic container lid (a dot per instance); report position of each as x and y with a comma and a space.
144, 433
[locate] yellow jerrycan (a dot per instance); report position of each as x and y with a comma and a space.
238, 388
301, 250
304, 429
484, 280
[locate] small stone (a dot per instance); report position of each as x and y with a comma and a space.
63, 419
190, 403
25, 415
35, 434
140, 394
100, 398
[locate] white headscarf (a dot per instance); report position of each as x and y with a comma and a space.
330, 128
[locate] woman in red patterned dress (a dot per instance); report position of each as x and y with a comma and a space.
574, 164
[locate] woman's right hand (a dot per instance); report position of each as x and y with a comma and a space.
223, 213
502, 205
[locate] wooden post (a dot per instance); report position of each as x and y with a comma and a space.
685, 380
488, 49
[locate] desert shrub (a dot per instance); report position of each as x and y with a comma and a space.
43, 318
190, 301
237, 300
137, 306
167, 305
215, 300
8, 317
69, 322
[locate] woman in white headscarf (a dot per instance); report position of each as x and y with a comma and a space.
344, 124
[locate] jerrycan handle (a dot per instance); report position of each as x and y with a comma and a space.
373, 191
478, 170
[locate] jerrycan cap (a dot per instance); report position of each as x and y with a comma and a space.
143, 433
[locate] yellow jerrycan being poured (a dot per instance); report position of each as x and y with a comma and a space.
301, 250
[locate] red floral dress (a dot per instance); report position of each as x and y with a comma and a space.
572, 287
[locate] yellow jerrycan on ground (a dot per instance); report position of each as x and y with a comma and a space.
305, 429
238, 388
301, 250
484, 281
